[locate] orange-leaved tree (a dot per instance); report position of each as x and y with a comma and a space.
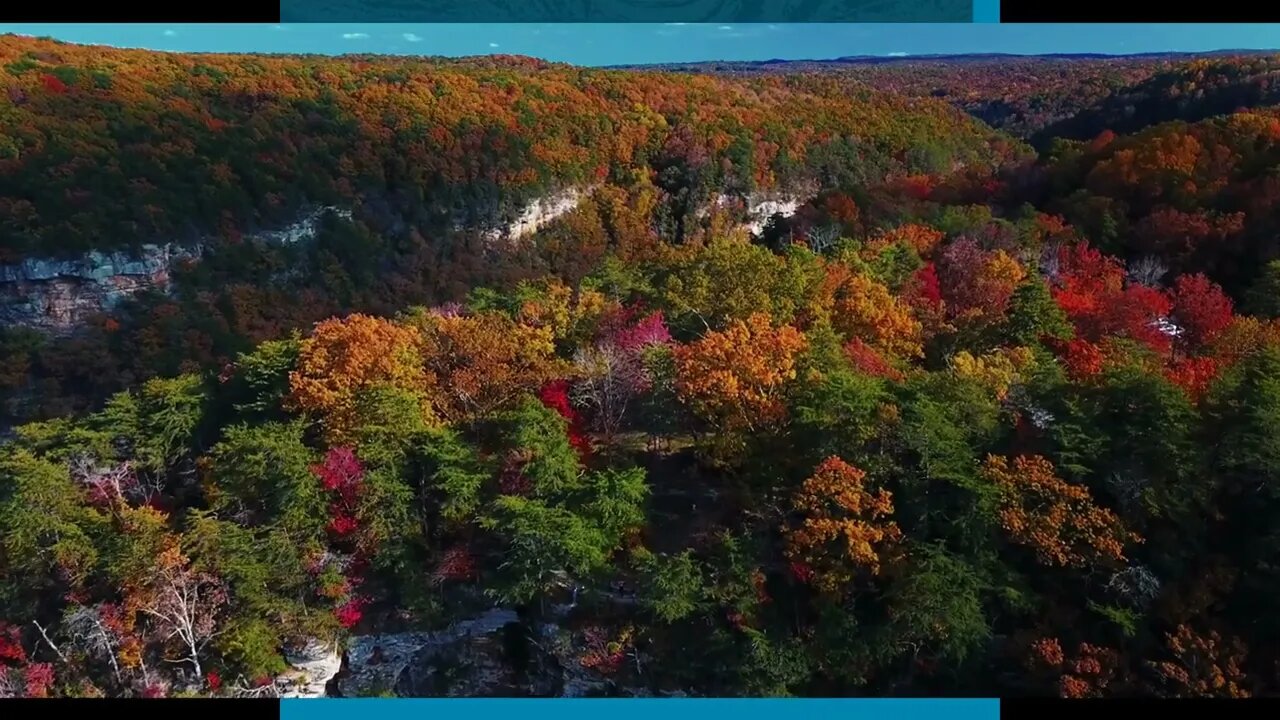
865, 309
862, 308
921, 238
734, 378
843, 527
1202, 665
484, 362
1089, 673
1056, 519
345, 356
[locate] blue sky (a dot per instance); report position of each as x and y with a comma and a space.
588, 44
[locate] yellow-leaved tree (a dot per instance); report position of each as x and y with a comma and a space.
346, 356
734, 379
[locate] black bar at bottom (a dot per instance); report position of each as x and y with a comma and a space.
1148, 11
143, 709
1130, 708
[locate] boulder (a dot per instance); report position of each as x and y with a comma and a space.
312, 666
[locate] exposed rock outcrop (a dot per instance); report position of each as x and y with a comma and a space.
760, 210
537, 214
304, 229
759, 207
57, 296
312, 667
493, 655
463, 659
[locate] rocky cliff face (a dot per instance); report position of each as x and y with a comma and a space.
311, 668
537, 214
492, 655
57, 296
758, 208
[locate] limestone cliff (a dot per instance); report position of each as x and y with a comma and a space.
57, 296
536, 215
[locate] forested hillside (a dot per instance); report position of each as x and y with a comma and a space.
1018, 94
1191, 197
112, 149
1043, 97
957, 419
1189, 91
191, 144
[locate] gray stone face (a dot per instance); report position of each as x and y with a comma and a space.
471, 658
58, 296
311, 667
440, 664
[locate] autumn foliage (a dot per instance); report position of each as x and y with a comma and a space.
1202, 665
1057, 520
978, 417
864, 309
734, 378
479, 363
1088, 672
346, 356
843, 528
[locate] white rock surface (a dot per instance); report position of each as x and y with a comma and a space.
305, 228
759, 207
761, 210
537, 215
312, 667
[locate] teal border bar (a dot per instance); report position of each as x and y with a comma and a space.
613, 11
639, 709
986, 11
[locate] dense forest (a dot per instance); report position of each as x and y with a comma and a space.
1018, 94
973, 420
1040, 98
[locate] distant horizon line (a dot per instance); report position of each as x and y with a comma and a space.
899, 56
865, 58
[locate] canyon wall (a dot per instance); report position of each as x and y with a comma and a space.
57, 296
759, 207
537, 214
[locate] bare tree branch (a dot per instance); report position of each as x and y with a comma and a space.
45, 635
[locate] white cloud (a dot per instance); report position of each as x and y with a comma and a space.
897, 54
493, 44
725, 27
772, 27
170, 33
355, 36
675, 24
277, 27
412, 37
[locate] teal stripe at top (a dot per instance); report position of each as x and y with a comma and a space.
613, 11
986, 11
